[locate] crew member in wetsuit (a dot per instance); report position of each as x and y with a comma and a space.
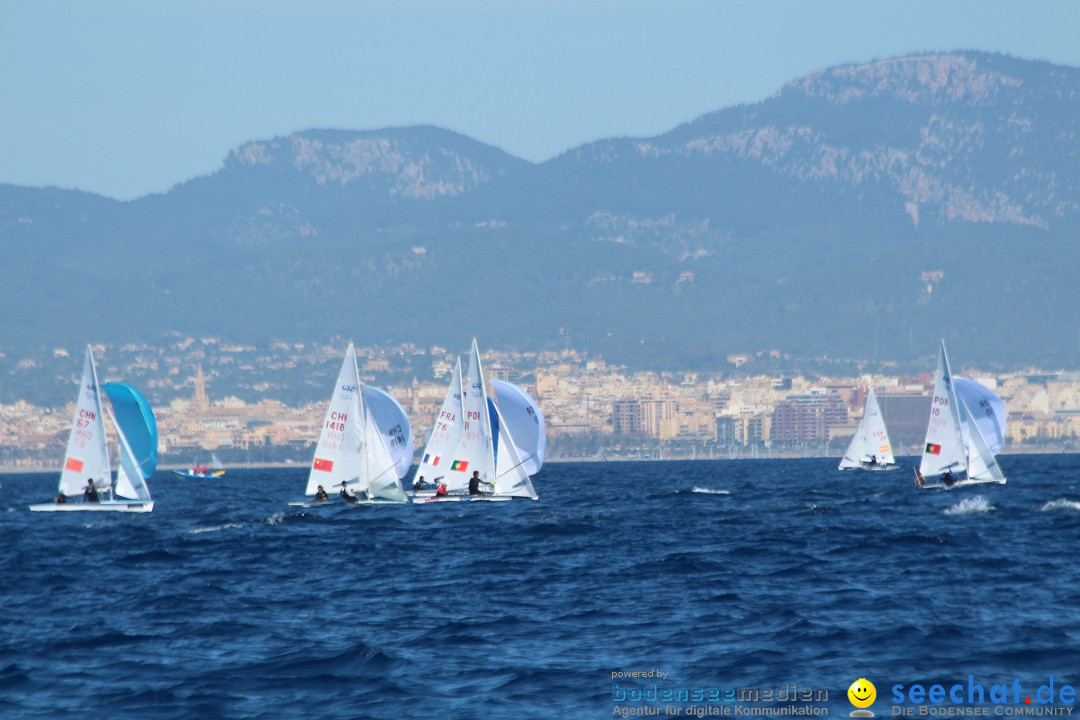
873, 459
90, 493
419, 484
474, 483
346, 495
320, 495
61, 498
948, 479
441, 491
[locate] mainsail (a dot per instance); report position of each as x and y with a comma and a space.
341, 442
87, 455
475, 451
944, 447
446, 435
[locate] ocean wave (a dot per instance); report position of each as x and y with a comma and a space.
215, 528
977, 505
1060, 504
711, 491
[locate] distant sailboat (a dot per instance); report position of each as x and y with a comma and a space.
966, 429
870, 449
86, 461
354, 456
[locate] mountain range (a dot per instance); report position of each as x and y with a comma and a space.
863, 211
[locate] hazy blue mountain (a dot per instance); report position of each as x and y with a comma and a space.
862, 211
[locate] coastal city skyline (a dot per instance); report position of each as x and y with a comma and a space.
257, 405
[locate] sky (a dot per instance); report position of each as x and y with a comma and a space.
130, 97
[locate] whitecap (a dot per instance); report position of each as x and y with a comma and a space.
977, 505
215, 528
1060, 504
275, 519
711, 491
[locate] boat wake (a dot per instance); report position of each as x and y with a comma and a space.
1060, 504
977, 505
711, 491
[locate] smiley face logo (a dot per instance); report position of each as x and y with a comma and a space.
862, 694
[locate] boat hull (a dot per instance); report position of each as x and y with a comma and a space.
139, 507
465, 498
317, 503
199, 476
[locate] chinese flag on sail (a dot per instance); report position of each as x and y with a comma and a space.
324, 465
933, 449
73, 465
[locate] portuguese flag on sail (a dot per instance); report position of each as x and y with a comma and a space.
460, 465
933, 449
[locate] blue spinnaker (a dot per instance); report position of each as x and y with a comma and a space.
136, 421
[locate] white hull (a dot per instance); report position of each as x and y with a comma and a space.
465, 498
376, 501
872, 468
963, 484
114, 506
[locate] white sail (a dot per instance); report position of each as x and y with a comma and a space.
380, 478
986, 410
445, 435
944, 448
982, 465
393, 425
871, 440
87, 453
341, 443
474, 452
511, 476
520, 414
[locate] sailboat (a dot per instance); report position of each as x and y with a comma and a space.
503, 442
365, 446
966, 429
86, 460
870, 448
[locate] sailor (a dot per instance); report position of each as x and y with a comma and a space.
90, 493
873, 459
441, 491
346, 495
419, 484
919, 481
61, 498
474, 483
320, 495
949, 479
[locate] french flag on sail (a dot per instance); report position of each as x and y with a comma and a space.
433, 461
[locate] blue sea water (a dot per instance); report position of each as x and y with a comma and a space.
227, 603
